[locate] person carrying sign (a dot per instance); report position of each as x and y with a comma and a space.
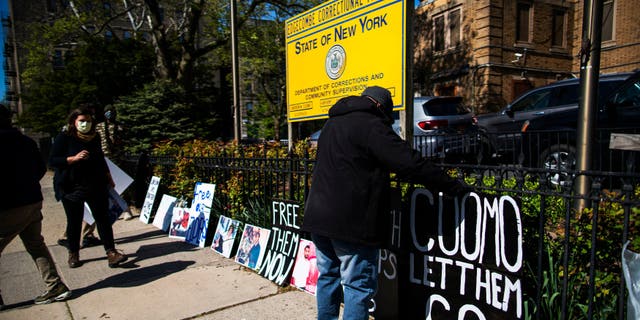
82, 175
348, 204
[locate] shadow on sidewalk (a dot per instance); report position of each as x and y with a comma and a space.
135, 277
142, 236
151, 251
131, 278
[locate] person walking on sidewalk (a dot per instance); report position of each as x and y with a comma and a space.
348, 204
109, 131
81, 175
20, 209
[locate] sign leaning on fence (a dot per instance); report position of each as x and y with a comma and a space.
465, 257
149, 199
339, 48
162, 218
283, 242
200, 213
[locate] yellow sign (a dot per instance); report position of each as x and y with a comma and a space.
339, 48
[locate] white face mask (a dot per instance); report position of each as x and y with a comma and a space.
83, 126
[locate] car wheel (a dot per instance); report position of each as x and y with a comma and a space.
560, 157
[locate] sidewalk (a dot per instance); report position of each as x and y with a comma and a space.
164, 278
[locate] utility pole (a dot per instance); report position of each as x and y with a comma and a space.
237, 122
407, 120
589, 75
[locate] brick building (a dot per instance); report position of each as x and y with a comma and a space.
491, 51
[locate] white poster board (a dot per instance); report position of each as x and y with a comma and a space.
162, 218
149, 199
117, 205
120, 178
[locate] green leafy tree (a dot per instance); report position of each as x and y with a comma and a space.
191, 46
97, 71
263, 70
162, 111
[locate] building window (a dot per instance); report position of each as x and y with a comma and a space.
446, 90
446, 30
454, 28
523, 22
108, 35
558, 28
438, 36
126, 34
607, 21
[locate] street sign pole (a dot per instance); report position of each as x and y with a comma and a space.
589, 73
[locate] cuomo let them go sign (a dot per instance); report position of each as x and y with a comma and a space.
339, 48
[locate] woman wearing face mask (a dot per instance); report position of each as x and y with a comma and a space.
82, 175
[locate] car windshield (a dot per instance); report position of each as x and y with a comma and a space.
443, 109
533, 101
630, 95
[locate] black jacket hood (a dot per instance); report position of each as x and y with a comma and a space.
354, 104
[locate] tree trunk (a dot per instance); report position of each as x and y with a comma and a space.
164, 69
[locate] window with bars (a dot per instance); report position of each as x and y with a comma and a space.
446, 30
523, 22
558, 28
607, 21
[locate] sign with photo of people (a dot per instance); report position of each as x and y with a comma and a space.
225, 236
200, 213
253, 244
305, 272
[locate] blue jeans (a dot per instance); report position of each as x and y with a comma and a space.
348, 271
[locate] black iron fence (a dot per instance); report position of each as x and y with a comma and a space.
573, 258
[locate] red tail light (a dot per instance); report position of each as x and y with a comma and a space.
433, 124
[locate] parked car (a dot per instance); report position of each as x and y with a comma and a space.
555, 135
500, 131
443, 127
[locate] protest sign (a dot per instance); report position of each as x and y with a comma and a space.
283, 243
162, 218
305, 271
200, 212
225, 236
149, 199
252, 246
465, 257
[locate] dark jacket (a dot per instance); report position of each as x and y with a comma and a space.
357, 150
82, 179
22, 168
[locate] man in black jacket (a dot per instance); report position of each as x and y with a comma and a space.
20, 215
348, 204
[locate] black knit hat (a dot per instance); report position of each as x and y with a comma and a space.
379, 94
383, 97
